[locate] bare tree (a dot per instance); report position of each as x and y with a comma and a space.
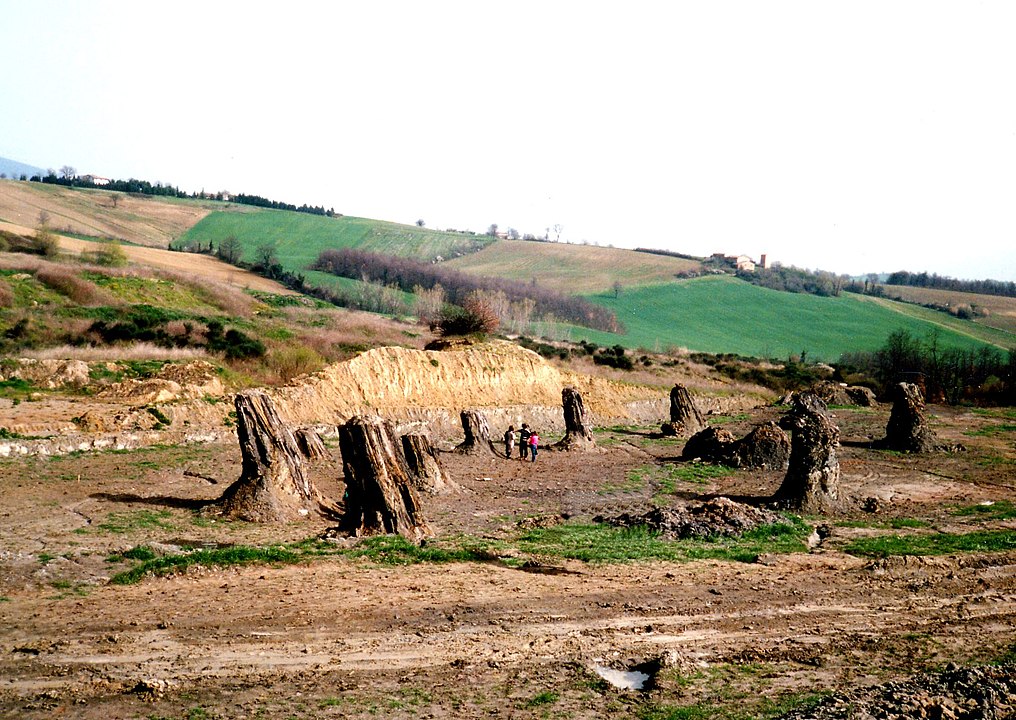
492, 230
230, 249
266, 254
420, 223
68, 172
557, 232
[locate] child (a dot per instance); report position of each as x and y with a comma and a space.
534, 442
524, 441
509, 441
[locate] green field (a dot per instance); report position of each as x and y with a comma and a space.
726, 315
300, 237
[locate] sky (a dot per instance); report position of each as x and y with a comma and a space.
852, 137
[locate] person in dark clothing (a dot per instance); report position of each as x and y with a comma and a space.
509, 441
524, 441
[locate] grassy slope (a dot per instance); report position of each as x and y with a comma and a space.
723, 314
710, 314
301, 236
1002, 310
579, 269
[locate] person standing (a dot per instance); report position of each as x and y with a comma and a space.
509, 441
534, 443
524, 441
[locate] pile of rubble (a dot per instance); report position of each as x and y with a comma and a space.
719, 516
976, 693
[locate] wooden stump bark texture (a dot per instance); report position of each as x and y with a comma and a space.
273, 484
578, 431
380, 495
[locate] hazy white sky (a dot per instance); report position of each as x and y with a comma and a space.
849, 136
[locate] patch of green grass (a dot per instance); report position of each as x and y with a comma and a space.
745, 708
126, 522
4, 598
992, 430
725, 419
221, 557
700, 473
603, 543
16, 388
546, 697
999, 510
160, 418
933, 544
45, 558
397, 550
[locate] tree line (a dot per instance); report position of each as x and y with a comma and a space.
409, 275
941, 282
945, 374
144, 187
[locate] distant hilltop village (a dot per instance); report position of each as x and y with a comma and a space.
741, 262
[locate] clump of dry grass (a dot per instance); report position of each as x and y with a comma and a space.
113, 353
67, 283
6, 295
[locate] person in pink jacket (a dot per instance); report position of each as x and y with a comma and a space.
534, 442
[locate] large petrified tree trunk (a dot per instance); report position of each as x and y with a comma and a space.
477, 431
380, 497
578, 433
813, 476
685, 418
273, 484
422, 461
908, 430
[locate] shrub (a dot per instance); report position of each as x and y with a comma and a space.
70, 285
45, 243
110, 254
6, 295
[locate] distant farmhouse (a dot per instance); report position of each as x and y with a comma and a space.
96, 180
741, 262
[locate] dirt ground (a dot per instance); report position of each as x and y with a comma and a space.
338, 637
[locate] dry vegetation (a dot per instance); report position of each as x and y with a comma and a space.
1000, 312
135, 219
583, 269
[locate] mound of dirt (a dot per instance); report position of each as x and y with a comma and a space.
719, 516
175, 381
49, 374
973, 693
411, 384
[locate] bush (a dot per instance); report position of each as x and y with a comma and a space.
476, 317
614, 357
69, 285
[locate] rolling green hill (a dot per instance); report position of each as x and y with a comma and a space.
300, 237
725, 315
712, 314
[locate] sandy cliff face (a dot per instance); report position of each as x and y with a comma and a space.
499, 377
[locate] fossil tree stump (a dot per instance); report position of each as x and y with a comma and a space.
766, 446
477, 431
908, 430
273, 484
422, 460
578, 433
711, 445
310, 444
380, 496
685, 418
813, 475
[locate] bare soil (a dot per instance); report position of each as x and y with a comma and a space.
338, 637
